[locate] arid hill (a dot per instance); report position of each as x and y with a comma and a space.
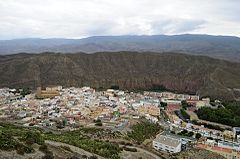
128, 70
221, 47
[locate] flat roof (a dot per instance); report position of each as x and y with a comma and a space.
236, 128
167, 140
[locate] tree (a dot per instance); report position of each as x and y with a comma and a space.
31, 137
184, 114
163, 104
99, 124
25, 91
198, 136
190, 134
185, 105
93, 157
220, 115
64, 122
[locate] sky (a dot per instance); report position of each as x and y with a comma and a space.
83, 18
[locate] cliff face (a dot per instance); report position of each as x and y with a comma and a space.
128, 70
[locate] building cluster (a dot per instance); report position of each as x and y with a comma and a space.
173, 143
57, 107
69, 107
167, 143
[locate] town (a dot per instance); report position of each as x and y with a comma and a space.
56, 108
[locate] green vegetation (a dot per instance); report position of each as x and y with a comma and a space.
228, 116
142, 131
186, 133
234, 106
185, 114
31, 137
185, 105
163, 104
98, 122
18, 138
77, 138
25, 91
21, 139
7, 142
182, 114
129, 149
198, 136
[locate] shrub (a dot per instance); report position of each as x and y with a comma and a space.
129, 149
93, 157
99, 124
142, 131
31, 137
43, 148
20, 150
67, 148
48, 155
198, 136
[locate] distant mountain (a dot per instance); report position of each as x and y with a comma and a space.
128, 70
222, 47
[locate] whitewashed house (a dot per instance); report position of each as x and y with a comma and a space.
167, 143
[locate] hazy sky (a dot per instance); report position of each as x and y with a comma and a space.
81, 18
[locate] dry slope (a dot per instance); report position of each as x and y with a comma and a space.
128, 70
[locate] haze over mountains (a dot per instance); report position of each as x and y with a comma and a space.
222, 47
128, 70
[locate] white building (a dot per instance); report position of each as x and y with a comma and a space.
236, 131
171, 101
167, 143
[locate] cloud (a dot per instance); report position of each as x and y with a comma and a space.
176, 26
81, 18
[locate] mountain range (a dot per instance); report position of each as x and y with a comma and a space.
218, 79
221, 47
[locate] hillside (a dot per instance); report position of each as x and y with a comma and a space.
221, 47
128, 70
